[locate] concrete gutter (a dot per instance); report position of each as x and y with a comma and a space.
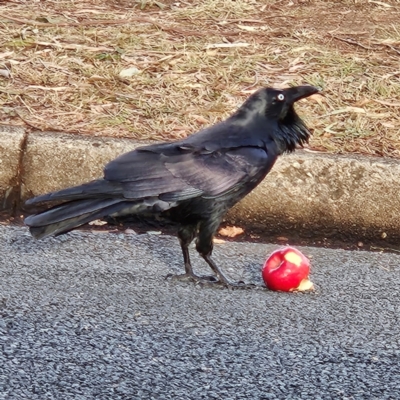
305, 193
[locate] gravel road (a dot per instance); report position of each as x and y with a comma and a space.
90, 316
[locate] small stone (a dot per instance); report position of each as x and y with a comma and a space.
282, 238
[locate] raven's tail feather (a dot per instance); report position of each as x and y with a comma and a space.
82, 204
65, 217
99, 188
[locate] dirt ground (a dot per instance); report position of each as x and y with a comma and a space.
164, 69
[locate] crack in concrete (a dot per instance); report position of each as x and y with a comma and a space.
12, 197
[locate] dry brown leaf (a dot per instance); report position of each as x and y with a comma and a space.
90, 10
388, 125
226, 45
380, 116
317, 98
192, 85
248, 28
56, 89
96, 78
380, 3
387, 103
282, 238
70, 46
98, 222
6, 54
231, 231
362, 102
297, 67
357, 110
345, 110
296, 61
200, 119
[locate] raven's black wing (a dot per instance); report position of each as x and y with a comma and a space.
178, 171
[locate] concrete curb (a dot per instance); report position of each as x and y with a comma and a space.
306, 193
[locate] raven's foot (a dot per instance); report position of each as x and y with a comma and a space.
193, 278
223, 281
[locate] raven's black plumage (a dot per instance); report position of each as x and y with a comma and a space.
192, 182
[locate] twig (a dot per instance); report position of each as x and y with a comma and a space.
26, 105
27, 122
71, 46
386, 103
351, 41
391, 47
249, 21
384, 248
252, 85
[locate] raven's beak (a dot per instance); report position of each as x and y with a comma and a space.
296, 93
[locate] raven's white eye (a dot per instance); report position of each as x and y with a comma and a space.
280, 97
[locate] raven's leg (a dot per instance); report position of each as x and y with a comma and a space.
186, 236
204, 246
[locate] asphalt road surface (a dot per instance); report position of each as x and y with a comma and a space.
90, 316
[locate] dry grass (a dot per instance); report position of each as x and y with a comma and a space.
196, 61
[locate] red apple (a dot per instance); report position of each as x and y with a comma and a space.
287, 270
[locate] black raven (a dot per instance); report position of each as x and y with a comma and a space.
192, 182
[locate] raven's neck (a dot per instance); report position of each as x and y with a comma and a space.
288, 133
291, 132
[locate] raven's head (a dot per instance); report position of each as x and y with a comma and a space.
276, 109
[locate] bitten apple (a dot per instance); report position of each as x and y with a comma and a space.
287, 270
